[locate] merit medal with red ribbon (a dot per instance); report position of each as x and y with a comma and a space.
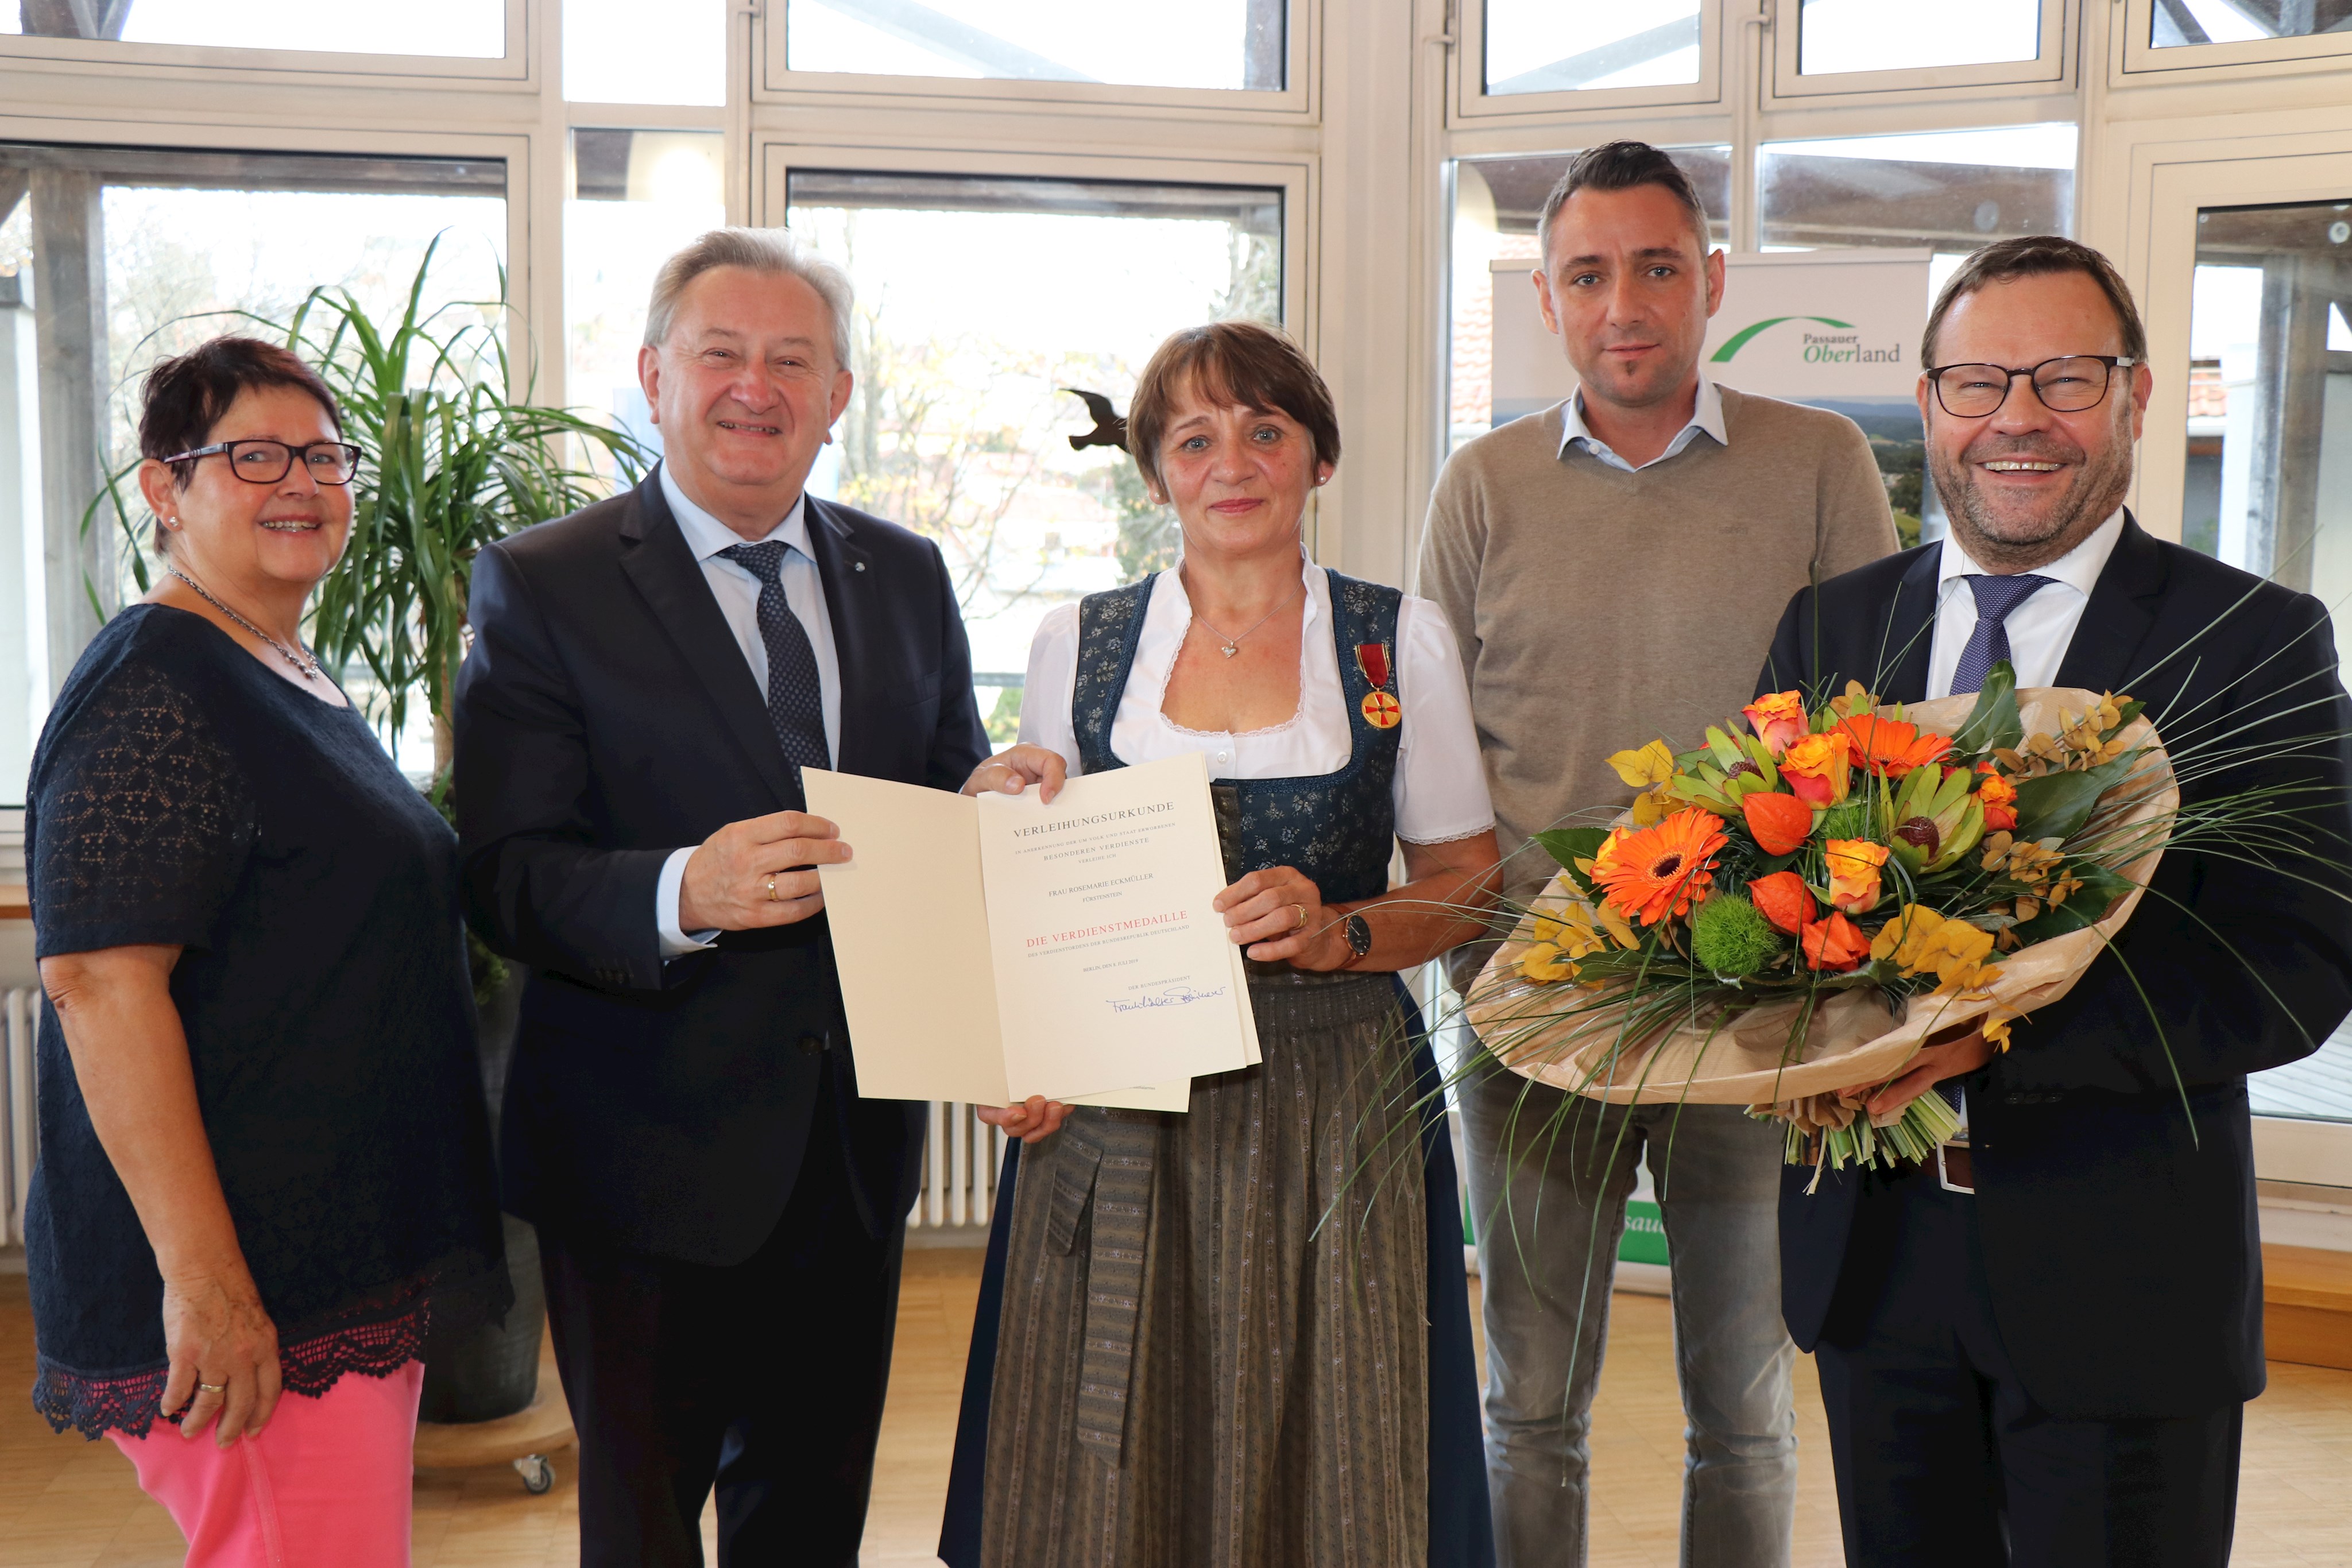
1380, 708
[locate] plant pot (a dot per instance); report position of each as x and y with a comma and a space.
494, 1371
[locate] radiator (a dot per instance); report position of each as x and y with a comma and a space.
19, 1016
961, 1157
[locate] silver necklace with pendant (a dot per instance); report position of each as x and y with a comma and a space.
1232, 645
304, 666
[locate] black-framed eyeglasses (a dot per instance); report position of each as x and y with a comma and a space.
2068, 384
259, 462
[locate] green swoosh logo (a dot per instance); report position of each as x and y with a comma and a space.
1738, 340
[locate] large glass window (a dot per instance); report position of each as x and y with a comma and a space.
982, 305
466, 29
1838, 35
2175, 23
1236, 44
1559, 46
1503, 364
114, 259
636, 197
1950, 191
627, 51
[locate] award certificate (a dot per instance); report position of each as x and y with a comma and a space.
997, 948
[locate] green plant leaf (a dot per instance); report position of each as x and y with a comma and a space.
1569, 846
2056, 805
1994, 722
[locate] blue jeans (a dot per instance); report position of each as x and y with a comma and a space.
1550, 1173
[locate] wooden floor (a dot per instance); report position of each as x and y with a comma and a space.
74, 1504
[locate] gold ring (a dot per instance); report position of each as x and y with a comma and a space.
1302, 917
771, 890
212, 1387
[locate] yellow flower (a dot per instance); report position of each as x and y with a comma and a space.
1571, 930
1922, 942
1619, 929
1996, 1030
1651, 765
1543, 963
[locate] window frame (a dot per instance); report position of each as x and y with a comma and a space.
2136, 61
1471, 105
775, 82
2054, 69
516, 70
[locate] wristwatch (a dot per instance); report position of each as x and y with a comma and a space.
1359, 933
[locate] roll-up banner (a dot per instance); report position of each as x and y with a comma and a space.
1836, 328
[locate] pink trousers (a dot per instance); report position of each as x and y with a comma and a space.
326, 1483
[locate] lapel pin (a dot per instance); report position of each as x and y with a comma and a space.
859, 565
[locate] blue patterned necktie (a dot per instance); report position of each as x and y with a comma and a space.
1996, 597
795, 699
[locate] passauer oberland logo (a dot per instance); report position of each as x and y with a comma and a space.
1841, 347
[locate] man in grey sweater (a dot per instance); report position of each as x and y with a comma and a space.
1611, 568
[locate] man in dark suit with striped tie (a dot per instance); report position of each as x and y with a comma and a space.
719, 1215
2036, 1350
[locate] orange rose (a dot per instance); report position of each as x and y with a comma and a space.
1781, 823
1853, 874
1819, 767
1836, 944
1998, 797
1783, 899
1779, 720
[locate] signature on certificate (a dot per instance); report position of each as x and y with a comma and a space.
1175, 996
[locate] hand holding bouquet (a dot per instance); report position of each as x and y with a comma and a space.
1787, 914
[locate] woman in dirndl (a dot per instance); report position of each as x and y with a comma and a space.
1239, 1337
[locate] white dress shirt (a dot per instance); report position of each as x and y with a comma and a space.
1440, 792
738, 592
1707, 419
2040, 630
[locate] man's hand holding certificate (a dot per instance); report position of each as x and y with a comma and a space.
997, 948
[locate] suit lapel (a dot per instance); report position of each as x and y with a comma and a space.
1901, 660
848, 575
2103, 655
655, 558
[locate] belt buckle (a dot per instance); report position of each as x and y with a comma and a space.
1945, 1171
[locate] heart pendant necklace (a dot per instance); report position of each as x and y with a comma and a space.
1232, 645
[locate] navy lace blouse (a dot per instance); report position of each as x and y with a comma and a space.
183, 794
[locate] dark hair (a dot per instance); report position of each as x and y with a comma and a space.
2037, 256
1230, 362
187, 395
1621, 166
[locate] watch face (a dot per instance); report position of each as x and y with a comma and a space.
1359, 935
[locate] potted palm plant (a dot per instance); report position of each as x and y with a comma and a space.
452, 463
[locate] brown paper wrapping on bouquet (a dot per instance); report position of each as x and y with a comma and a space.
1853, 1041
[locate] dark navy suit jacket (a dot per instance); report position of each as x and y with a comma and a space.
604, 718
2116, 1201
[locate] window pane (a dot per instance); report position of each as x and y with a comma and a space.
1196, 44
165, 249
1497, 203
638, 197
2178, 21
958, 427
469, 29
628, 51
1905, 35
1950, 191
1562, 45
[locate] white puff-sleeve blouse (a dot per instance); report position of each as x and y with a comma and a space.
1440, 783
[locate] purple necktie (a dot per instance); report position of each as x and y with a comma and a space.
1989, 643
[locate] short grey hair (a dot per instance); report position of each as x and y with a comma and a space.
770, 251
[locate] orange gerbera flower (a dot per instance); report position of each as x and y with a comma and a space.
1998, 797
1835, 943
1781, 823
1818, 770
1780, 720
1890, 748
1652, 874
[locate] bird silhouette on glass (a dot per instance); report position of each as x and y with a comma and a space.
1111, 429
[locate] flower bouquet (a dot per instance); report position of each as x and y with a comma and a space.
1787, 914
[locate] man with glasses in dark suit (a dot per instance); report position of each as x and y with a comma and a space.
720, 1217
2037, 1349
